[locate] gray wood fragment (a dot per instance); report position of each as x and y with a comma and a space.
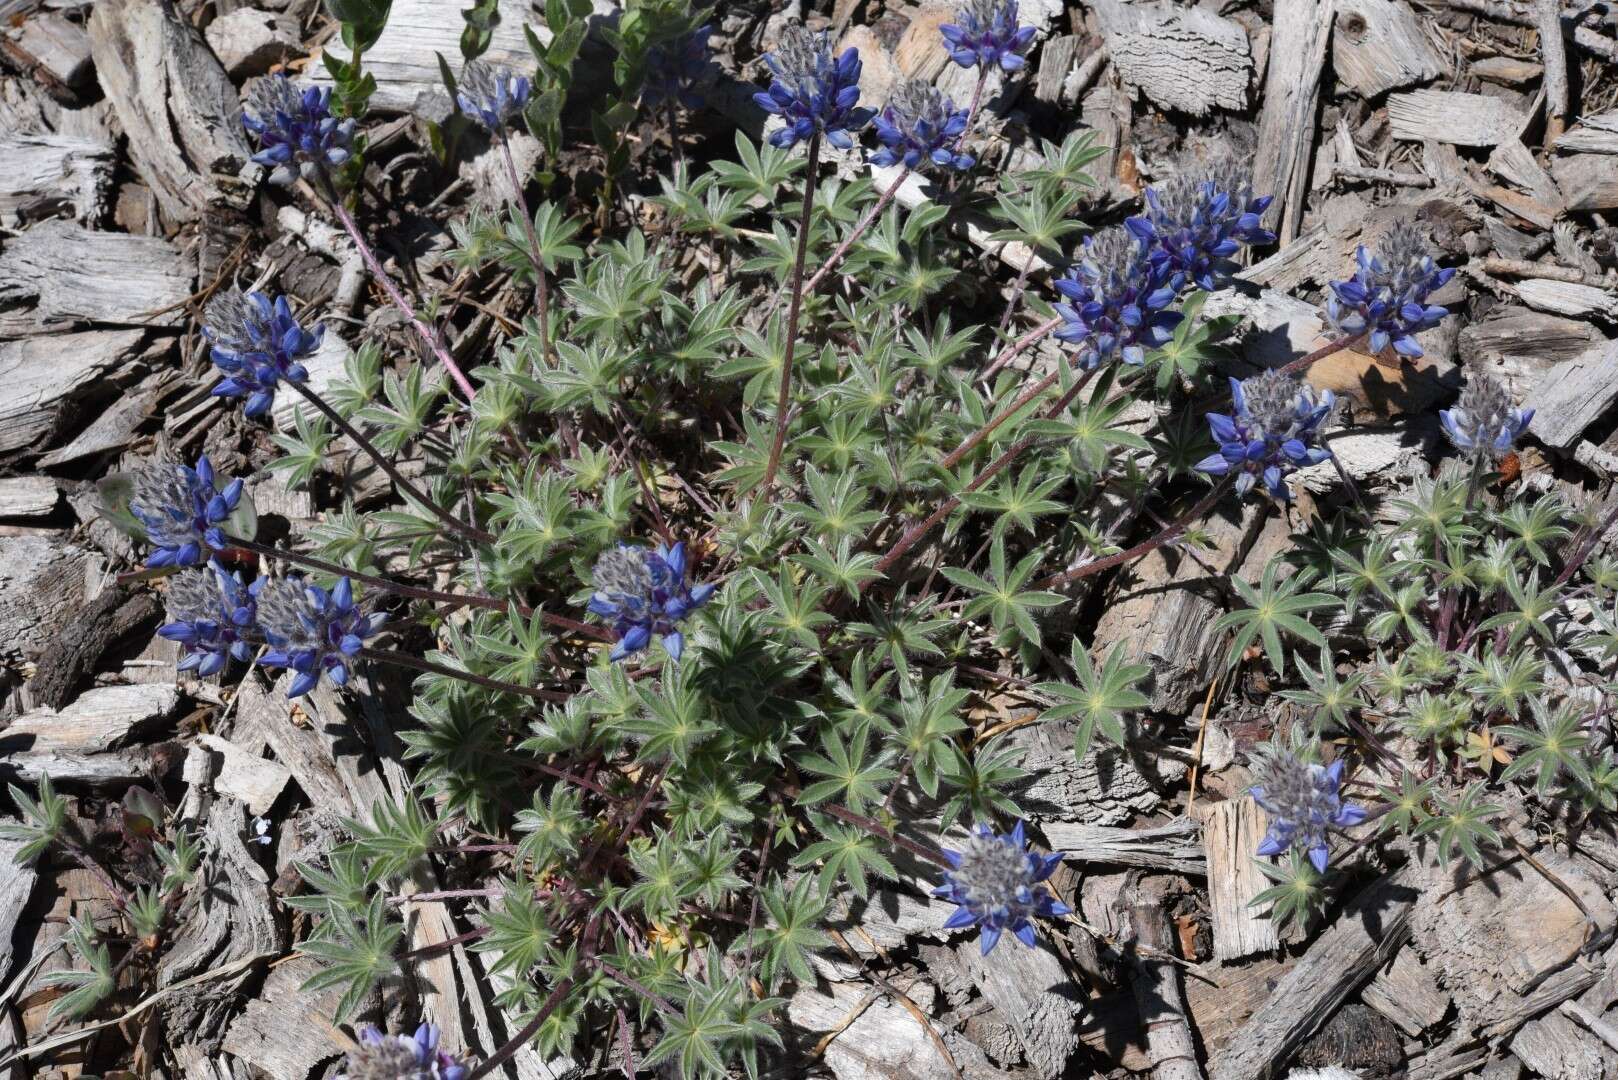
1231, 831
1568, 298
1587, 181
1574, 394
1379, 46
1406, 993
248, 42
1286, 127
1369, 929
16, 887
1554, 1045
102, 718
882, 1042
28, 496
256, 781
286, 1031
53, 48
1596, 134
1170, 1046
57, 276
1449, 116
1184, 58
1034, 994
46, 174
1175, 847
175, 104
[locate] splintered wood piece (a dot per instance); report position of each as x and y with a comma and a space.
1367, 932
57, 276
42, 374
1449, 116
46, 173
284, 1030
104, 718
1596, 134
1574, 395
1222, 998
1554, 1045
1379, 46
254, 780
1231, 832
1567, 298
175, 103
1516, 164
1286, 127
1169, 1045
1183, 58
16, 886
870, 1040
1406, 993
28, 496
1174, 847
1587, 181
1031, 991
54, 48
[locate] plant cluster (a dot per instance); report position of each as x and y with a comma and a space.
707, 593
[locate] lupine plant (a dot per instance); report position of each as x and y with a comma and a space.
700, 602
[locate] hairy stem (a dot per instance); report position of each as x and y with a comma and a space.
412, 592
428, 334
1166, 535
415, 663
784, 402
542, 302
409, 489
530, 1029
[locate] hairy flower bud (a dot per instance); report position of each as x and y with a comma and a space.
1303, 802
311, 632
1484, 424
1117, 297
401, 1057
183, 511
997, 883
811, 90
491, 93
920, 127
257, 343
986, 33
643, 591
209, 613
295, 129
1386, 299
1276, 420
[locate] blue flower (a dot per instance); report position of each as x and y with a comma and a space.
1386, 298
1484, 423
675, 69
920, 127
183, 511
257, 343
210, 613
401, 1057
1303, 801
643, 592
812, 91
1196, 221
1117, 299
986, 32
996, 882
1277, 417
311, 631
295, 128
491, 93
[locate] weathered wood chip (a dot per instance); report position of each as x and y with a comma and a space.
45, 174
57, 276
254, 780
1587, 181
1379, 46
1184, 58
1449, 116
1231, 831
1596, 134
42, 374
28, 496
1573, 395
103, 718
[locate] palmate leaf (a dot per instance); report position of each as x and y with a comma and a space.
1463, 825
358, 953
1002, 596
88, 988
846, 853
852, 772
1274, 608
44, 820
1297, 891
1553, 748
783, 947
1101, 699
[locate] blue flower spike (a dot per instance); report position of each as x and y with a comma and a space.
812, 91
644, 594
1271, 434
1386, 299
210, 614
987, 33
1117, 298
676, 69
919, 128
258, 344
1304, 802
998, 884
296, 132
183, 510
312, 632
376, 1056
1484, 425
1201, 217
491, 93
